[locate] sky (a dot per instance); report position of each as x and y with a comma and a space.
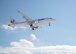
62, 32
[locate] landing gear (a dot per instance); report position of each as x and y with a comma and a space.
31, 25
49, 24
33, 28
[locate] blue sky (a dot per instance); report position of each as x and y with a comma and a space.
62, 32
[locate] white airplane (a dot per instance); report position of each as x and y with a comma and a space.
29, 22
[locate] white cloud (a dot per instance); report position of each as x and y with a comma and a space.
6, 27
22, 43
27, 47
21, 47
33, 36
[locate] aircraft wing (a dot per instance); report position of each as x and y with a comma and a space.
24, 16
45, 21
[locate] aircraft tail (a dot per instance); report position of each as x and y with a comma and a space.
12, 21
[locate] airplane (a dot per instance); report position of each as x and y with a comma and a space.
34, 24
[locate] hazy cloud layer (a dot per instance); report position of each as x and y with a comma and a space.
27, 47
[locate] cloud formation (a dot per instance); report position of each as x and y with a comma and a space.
6, 27
21, 47
34, 38
27, 47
